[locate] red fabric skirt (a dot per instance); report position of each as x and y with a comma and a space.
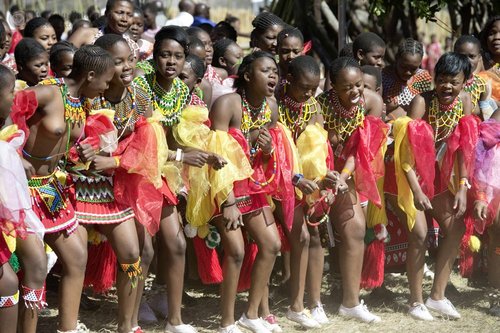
52, 204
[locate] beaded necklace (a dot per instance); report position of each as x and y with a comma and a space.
343, 121
74, 107
402, 93
295, 115
253, 117
444, 118
475, 86
126, 114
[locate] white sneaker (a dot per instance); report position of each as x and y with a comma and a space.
318, 314
303, 318
229, 329
271, 324
182, 328
420, 312
254, 325
443, 307
146, 314
359, 312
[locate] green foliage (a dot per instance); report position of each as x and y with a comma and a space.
423, 9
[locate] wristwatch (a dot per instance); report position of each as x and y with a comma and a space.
296, 179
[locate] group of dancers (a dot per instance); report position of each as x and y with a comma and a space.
105, 137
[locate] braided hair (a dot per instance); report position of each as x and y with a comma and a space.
289, 32
303, 64
58, 49
342, 63
91, 58
197, 65
410, 46
367, 41
108, 40
264, 21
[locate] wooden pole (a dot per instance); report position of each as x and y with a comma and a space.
342, 8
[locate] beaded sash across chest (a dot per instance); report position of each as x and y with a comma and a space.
444, 118
169, 103
343, 121
295, 115
74, 107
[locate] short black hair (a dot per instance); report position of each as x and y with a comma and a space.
2, 33
452, 64
197, 65
366, 41
246, 64
74, 16
26, 50
91, 58
464, 39
99, 21
33, 24
196, 31
46, 14
58, 49
373, 71
107, 41
346, 51
220, 48
342, 63
410, 46
151, 6
57, 21
223, 30
172, 32
6, 74
289, 32
303, 64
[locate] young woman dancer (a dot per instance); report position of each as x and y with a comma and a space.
439, 118
357, 135
56, 125
32, 62
247, 116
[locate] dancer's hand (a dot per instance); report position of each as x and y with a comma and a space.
265, 141
28, 168
102, 163
195, 158
340, 185
480, 210
460, 203
86, 152
232, 217
216, 161
307, 186
421, 201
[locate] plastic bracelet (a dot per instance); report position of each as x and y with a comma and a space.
178, 155
465, 182
117, 160
347, 171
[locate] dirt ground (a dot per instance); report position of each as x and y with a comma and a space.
201, 310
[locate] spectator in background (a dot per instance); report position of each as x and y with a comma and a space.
29, 15
202, 15
45, 14
161, 19
433, 54
92, 13
6, 58
74, 16
185, 17
150, 11
448, 44
58, 24
79, 24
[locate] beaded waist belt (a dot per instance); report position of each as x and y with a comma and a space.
93, 188
50, 190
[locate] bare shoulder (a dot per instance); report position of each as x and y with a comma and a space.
223, 110
467, 102
417, 107
374, 103
83, 36
45, 94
